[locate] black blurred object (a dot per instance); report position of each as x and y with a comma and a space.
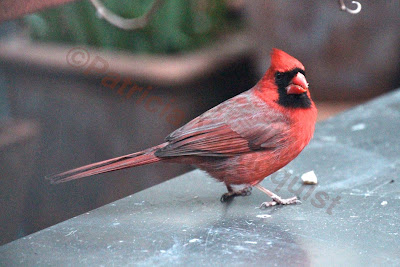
18, 150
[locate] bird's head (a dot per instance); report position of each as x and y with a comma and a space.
285, 81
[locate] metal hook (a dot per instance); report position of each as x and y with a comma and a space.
348, 10
123, 23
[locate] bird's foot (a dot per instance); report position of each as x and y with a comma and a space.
276, 200
229, 195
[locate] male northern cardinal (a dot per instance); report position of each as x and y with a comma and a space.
242, 140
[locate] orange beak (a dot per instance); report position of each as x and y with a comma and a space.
298, 85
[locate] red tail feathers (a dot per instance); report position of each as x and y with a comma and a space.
128, 161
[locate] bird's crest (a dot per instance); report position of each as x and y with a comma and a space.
282, 62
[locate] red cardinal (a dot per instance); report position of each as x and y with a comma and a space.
242, 140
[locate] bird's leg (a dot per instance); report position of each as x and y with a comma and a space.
231, 193
277, 200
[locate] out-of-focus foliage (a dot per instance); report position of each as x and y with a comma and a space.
179, 25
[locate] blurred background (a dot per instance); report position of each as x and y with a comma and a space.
75, 89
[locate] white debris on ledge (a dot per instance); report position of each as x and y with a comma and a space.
264, 216
358, 127
309, 178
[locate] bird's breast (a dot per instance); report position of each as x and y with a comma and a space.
251, 168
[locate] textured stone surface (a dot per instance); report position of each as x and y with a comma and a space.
356, 158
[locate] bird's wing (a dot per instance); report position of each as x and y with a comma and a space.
239, 125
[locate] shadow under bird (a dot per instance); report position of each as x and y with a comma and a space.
239, 142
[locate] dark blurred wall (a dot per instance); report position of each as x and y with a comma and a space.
347, 57
64, 120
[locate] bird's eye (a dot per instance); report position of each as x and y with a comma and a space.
278, 76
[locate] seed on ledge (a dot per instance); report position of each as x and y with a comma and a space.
309, 178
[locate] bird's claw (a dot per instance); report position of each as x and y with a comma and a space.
244, 192
279, 201
225, 197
